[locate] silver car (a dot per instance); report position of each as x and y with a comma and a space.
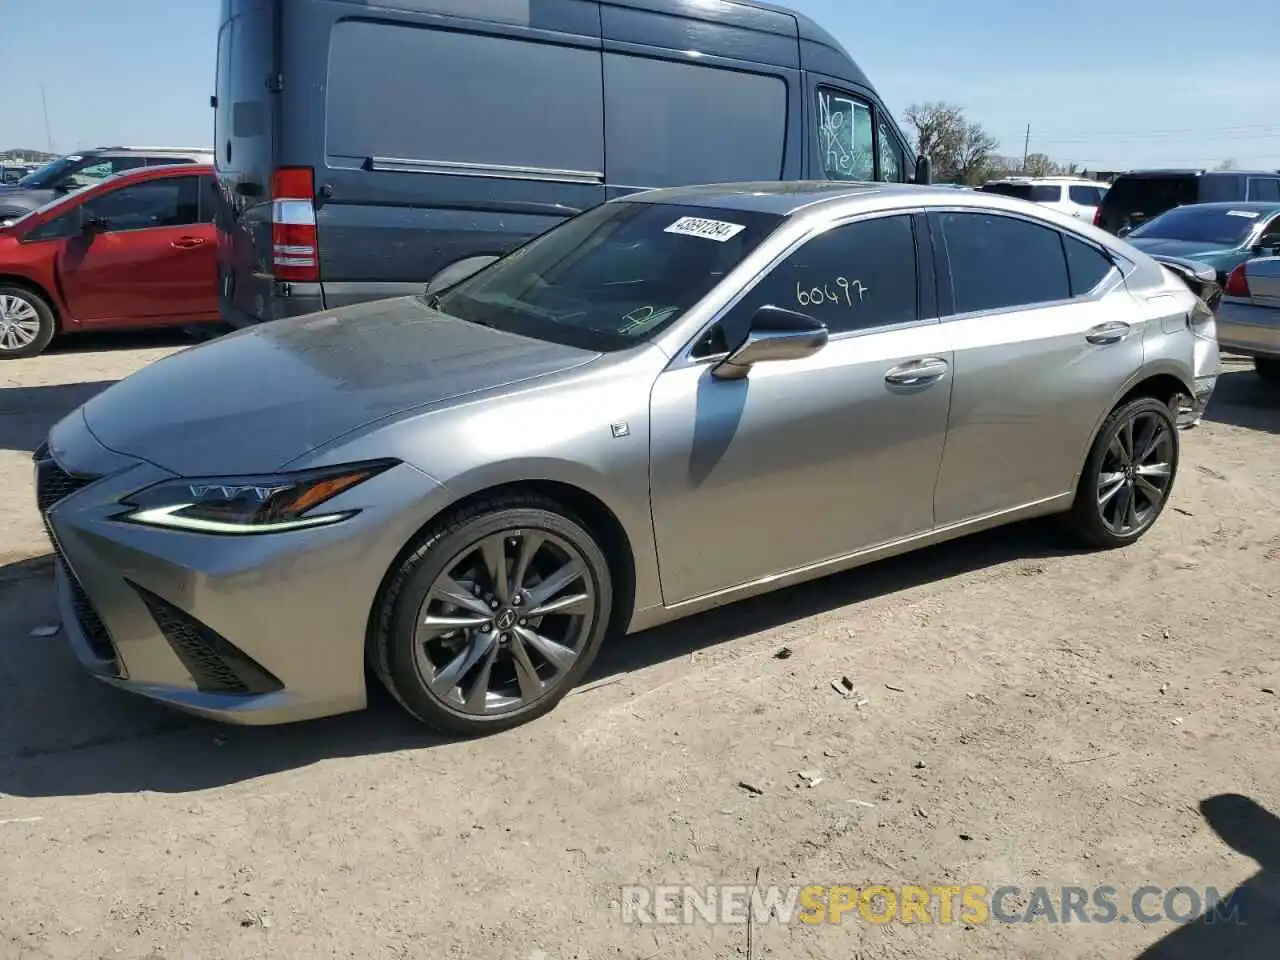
669, 403
1249, 321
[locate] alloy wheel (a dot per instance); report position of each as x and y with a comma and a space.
19, 323
1136, 473
505, 622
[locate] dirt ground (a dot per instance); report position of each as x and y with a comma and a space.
1033, 716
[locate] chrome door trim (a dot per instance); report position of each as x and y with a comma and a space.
493, 171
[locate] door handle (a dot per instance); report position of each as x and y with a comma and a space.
917, 373
185, 243
1106, 333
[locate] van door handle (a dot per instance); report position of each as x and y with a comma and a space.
1106, 333
917, 373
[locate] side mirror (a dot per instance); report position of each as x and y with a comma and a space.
92, 225
775, 334
66, 186
455, 273
924, 169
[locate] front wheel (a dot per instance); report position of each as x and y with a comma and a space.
26, 323
1128, 476
1268, 368
494, 617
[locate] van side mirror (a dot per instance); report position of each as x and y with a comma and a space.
924, 170
775, 334
455, 273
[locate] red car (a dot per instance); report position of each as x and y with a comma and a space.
135, 250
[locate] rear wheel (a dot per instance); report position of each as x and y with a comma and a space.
26, 323
1268, 368
1128, 476
495, 616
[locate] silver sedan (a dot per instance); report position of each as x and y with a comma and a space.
666, 404
1250, 315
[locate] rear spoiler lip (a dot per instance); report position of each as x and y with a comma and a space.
1200, 278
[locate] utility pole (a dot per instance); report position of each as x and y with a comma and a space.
44, 103
1026, 148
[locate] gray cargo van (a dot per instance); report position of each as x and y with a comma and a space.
365, 146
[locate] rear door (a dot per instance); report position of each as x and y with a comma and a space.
1134, 199
152, 262
1043, 333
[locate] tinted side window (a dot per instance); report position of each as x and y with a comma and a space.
999, 262
208, 198
1086, 196
415, 94
675, 123
1221, 186
893, 162
845, 143
174, 202
1261, 188
1085, 264
854, 277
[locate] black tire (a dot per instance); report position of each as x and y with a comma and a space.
1268, 368
48, 324
393, 640
1086, 520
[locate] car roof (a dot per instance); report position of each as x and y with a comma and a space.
156, 173
148, 151
788, 198
1175, 172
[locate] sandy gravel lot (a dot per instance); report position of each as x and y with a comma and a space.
1033, 717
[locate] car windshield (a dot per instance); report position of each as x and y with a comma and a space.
52, 172
1225, 226
612, 277
1035, 192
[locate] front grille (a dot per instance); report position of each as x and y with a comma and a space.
53, 485
214, 662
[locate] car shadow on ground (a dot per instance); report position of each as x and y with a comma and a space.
78, 736
28, 413
148, 339
1243, 399
1246, 926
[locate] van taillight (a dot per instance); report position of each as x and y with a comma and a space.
1237, 283
295, 253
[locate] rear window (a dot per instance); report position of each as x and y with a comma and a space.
407, 93
1141, 198
1200, 224
680, 123
611, 277
1086, 196
1035, 192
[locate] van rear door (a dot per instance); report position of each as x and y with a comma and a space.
246, 124
1135, 198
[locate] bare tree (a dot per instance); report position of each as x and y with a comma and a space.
1228, 164
960, 149
974, 158
1040, 165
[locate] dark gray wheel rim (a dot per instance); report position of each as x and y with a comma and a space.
19, 322
505, 622
1136, 473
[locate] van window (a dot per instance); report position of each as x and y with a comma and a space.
1261, 188
669, 123
420, 94
1218, 187
844, 136
893, 162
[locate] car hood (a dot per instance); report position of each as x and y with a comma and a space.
257, 399
22, 199
1186, 249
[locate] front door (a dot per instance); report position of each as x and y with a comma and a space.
1043, 333
806, 460
153, 258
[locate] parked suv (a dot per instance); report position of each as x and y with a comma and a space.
75, 171
1141, 195
1075, 196
360, 156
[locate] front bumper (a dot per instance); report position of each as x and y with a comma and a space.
244, 629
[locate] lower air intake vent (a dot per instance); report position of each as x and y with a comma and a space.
214, 662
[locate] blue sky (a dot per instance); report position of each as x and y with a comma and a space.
1106, 84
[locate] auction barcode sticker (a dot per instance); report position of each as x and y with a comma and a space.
1247, 214
717, 230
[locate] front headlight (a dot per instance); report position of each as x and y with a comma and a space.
246, 505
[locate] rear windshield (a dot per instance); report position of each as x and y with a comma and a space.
1143, 198
1035, 192
1200, 224
612, 277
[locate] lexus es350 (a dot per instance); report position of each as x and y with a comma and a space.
668, 403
